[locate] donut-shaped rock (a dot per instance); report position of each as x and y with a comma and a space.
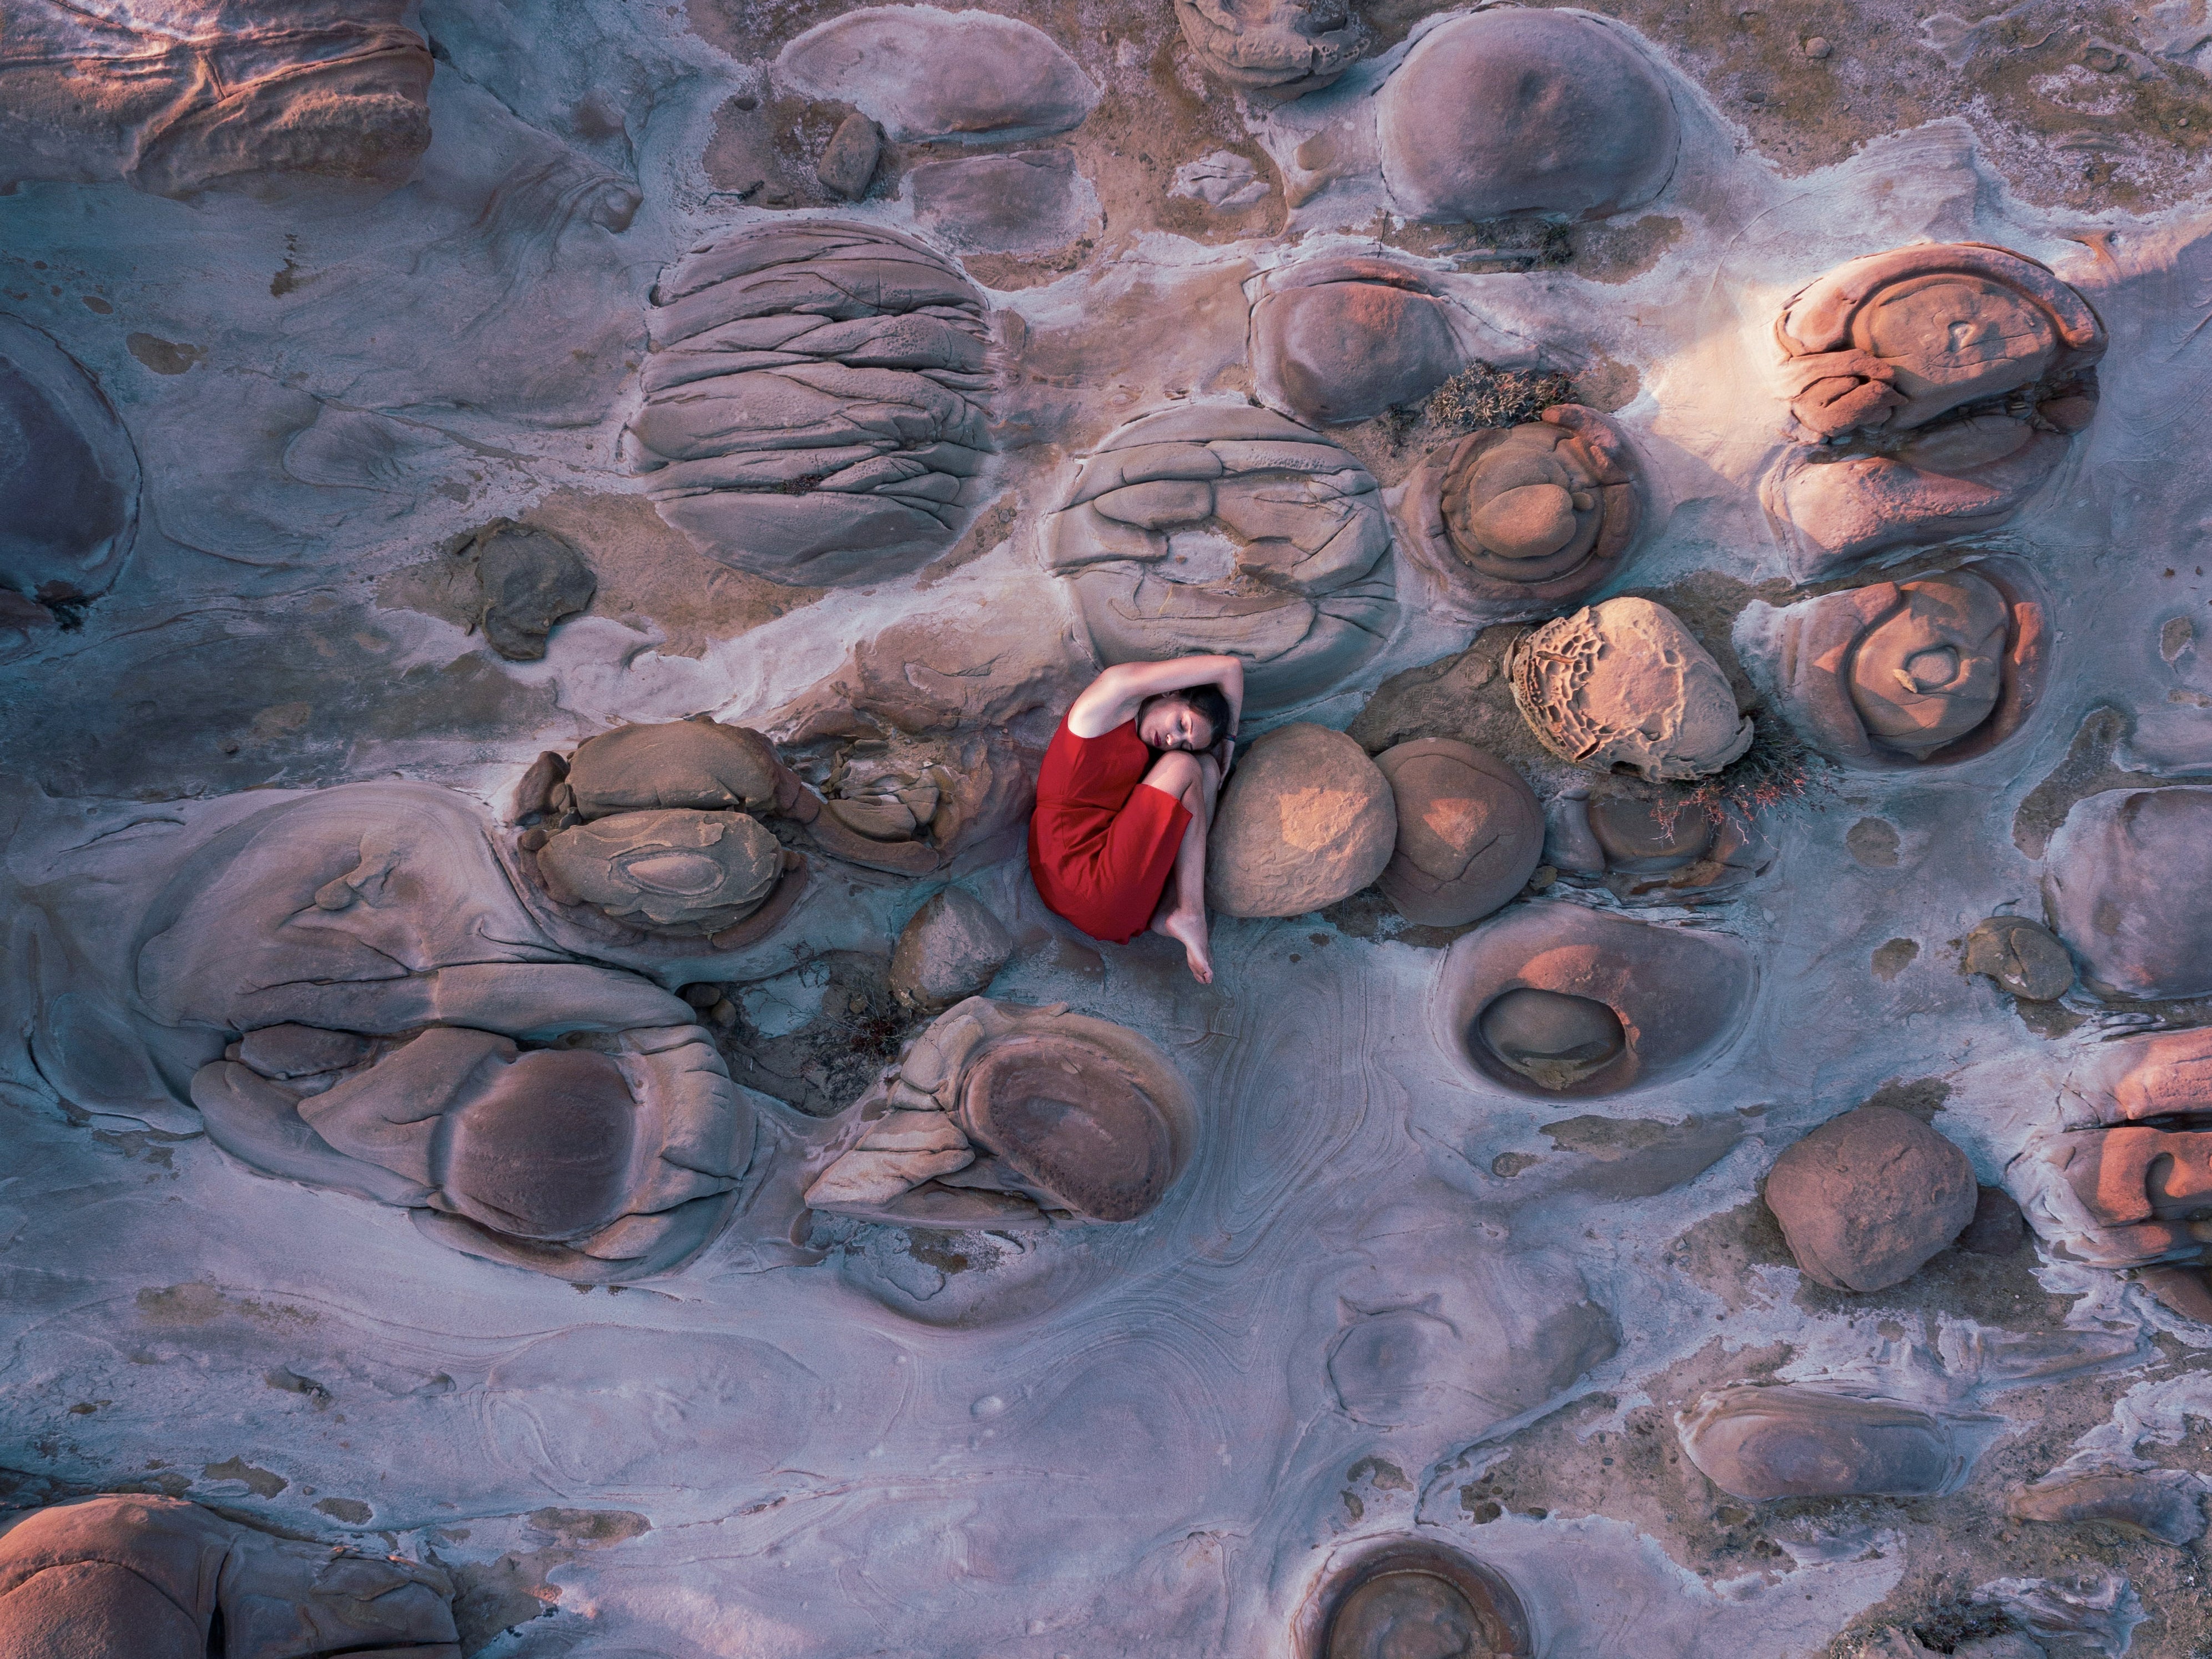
1337, 340
1936, 669
1470, 832
1304, 820
1412, 1597
1553, 998
1219, 527
1509, 112
68, 479
1000, 1115
1759, 1441
1867, 1198
160, 1578
1624, 683
1517, 520
922, 72
1931, 391
2128, 880
817, 397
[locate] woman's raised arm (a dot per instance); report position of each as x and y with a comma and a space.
1113, 696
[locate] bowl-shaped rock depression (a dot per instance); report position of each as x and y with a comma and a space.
1554, 998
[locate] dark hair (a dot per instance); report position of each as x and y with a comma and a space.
1209, 702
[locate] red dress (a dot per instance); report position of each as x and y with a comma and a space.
1100, 846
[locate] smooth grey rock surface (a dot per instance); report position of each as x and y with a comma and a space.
925, 73
1778, 1441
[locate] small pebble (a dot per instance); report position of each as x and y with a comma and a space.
1817, 47
726, 1013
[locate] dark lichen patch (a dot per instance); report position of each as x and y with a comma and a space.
262, 1483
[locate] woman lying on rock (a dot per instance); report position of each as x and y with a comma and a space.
1126, 796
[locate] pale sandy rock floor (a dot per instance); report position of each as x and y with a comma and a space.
861, 1442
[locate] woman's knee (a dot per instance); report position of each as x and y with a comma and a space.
1176, 772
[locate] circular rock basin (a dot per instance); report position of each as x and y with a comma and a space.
1068, 1124
1559, 1000
1415, 1599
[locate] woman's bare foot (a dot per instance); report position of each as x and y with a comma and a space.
1189, 931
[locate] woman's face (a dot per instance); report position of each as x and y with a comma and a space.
1171, 723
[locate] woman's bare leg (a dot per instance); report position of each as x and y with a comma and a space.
1196, 781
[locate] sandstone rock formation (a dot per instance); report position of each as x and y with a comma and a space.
1342, 338
1760, 1441
160, 1578
1513, 112
1516, 521
696, 871
847, 163
68, 483
1002, 1115
2023, 957
1470, 832
2128, 880
2165, 1504
1554, 998
1222, 527
1937, 669
1284, 47
950, 950
528, 581
1642, 845
1624, 683
1931, 391
924, 73
1413, 1596
1866, 1198
1028, 202
1304, 820
203, 95
817, 397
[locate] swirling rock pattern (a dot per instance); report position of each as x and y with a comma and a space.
1220, 527
1776, 1441
160, 1578
1002, 1115
1513, 112
1413, 1593
1514, 521
69, 481
1624, 683
1935, 389
1937, 669
816, 399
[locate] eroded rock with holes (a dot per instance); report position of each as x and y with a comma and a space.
2128, 882
1766, 1441
198, 94
1304, 820
1931, 391
1222, 527
927, 73
1470, 832
68, 485
1644, 845
1411, 1596
817, 401
1511, 111
1555, 999
1516, 521
160, 1578
1342, 338
999, 1114
1933, 669
1867, 1197
1625, 685
1283, 47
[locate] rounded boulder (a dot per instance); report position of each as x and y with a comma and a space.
2129, 881
1470, 832
1306, 819
1866, 1198
951, 949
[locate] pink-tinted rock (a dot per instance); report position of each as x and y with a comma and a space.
1934, 670
816, 396
1624, 683
2164, 1504
1412, 1597
1304, 820
950, 950
2128, 879
1470, 832
160, 1578
1285, 47
1341, 339
1509, 112
1866, 1198
1518, 520
1774, 1441
927, 73
1675, 997
1645, 845
1029, 202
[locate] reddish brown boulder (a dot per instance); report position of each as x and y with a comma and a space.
1306, 819
1470, 832
1867, 1197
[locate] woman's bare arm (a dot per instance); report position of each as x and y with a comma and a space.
1115, 696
